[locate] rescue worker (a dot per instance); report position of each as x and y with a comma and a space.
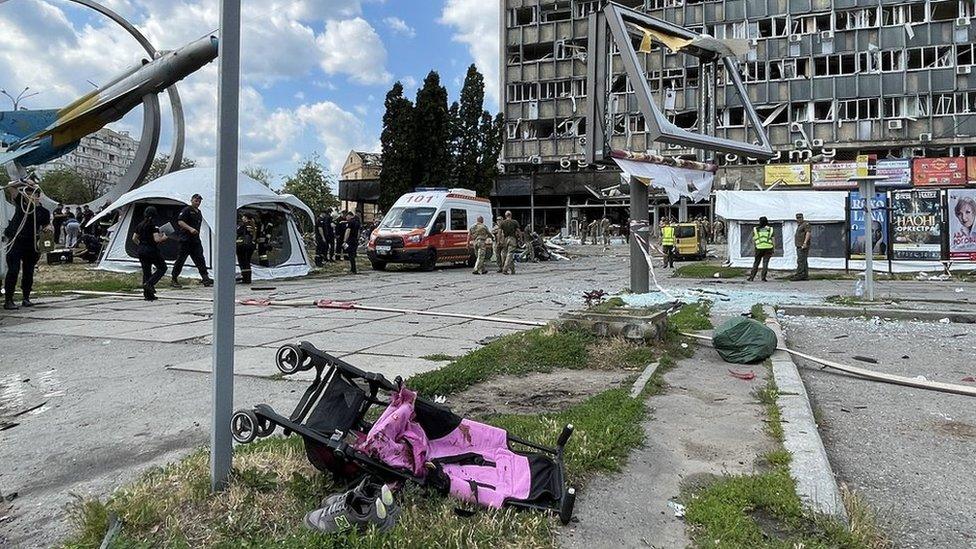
802, 242
478, 236
718, 230
264, 242
583, 231
20, 242
593, 228
340, 234
86, 217
668, 242
353, 226
762, 238
246, 235
605, 230
510, 230
189, 222
323, 230
499, 243
147, 239
58, 217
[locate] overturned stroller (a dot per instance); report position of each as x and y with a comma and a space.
414, 440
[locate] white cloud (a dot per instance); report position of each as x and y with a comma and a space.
353, 48
337, 130
476, 23
400, 26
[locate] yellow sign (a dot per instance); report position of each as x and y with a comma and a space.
787, 174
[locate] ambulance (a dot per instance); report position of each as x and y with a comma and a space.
428, 227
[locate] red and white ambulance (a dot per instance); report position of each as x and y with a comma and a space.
428, 227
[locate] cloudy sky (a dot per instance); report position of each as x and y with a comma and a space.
315, 72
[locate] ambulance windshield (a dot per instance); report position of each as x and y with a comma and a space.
407, 218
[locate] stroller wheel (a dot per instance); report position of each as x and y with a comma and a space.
566, 506
265, 427
290, 359
244, 426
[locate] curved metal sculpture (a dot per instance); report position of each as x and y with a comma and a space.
149, 141
34, 137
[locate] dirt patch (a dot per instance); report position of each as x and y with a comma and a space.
535, 392
956, 429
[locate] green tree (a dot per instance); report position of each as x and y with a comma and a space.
313, 186
490, 151
158, 167
259, 173
468, 123
431, 131
66, 186
397, 147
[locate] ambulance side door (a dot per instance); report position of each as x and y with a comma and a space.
458, 230
439, 238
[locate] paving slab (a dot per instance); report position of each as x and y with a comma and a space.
170, 334
418, 346
248, 361
391, 366
338, 343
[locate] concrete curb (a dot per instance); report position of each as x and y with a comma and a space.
643, 379
961, 317
810, 468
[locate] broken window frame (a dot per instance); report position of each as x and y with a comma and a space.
521, 92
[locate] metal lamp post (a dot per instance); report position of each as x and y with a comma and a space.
865, 185
226, 209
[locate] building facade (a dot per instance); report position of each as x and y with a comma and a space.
103, 156
829, 79
359, 184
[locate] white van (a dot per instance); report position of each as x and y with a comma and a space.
428, 227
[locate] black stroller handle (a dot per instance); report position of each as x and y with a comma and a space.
319, 356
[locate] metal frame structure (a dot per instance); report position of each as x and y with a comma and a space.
149, 140
616, 18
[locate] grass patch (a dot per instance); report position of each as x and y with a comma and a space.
764, 511
519, 353
691, 317
708, 270
57, 279
273, 486
758, 313
439, 357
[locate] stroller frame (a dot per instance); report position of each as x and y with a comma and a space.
262, 421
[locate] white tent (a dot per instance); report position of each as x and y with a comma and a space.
174, 191
825, 210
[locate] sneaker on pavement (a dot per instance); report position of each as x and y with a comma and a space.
366, 490
175, 283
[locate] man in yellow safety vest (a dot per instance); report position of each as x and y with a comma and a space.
668, 242
762, 238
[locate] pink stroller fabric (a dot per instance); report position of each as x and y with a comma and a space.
504, 474
396, 438
484, 471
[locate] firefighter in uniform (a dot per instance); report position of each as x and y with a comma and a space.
478, 236
668, 242
264, 244
762, 238
246, 232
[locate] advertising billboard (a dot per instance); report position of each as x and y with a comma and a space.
786, 174
962, 224
898, 172
941, 172
916, 225
879, 226
833, 175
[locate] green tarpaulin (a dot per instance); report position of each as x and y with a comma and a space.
744, 341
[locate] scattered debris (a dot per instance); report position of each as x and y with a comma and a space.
594, 297
677, 509
865, 359
745, 376
944, 320
560, 303
969, 379
31, 409
842, 336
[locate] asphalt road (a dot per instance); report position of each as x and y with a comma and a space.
908, 452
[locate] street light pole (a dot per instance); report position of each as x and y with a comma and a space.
228, 93
20, 96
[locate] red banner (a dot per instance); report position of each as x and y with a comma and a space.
939, 172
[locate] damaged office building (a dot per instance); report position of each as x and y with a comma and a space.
828, 80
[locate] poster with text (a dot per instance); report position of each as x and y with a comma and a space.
834, 175
897, 171
962, 224
786, 174
879, 226
942, 172
916, 225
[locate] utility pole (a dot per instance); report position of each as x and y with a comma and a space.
20, 96
228, 94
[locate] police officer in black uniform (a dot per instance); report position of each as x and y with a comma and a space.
189, 222
20, 242
324, 238
340, 234
353, 227
246, 232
